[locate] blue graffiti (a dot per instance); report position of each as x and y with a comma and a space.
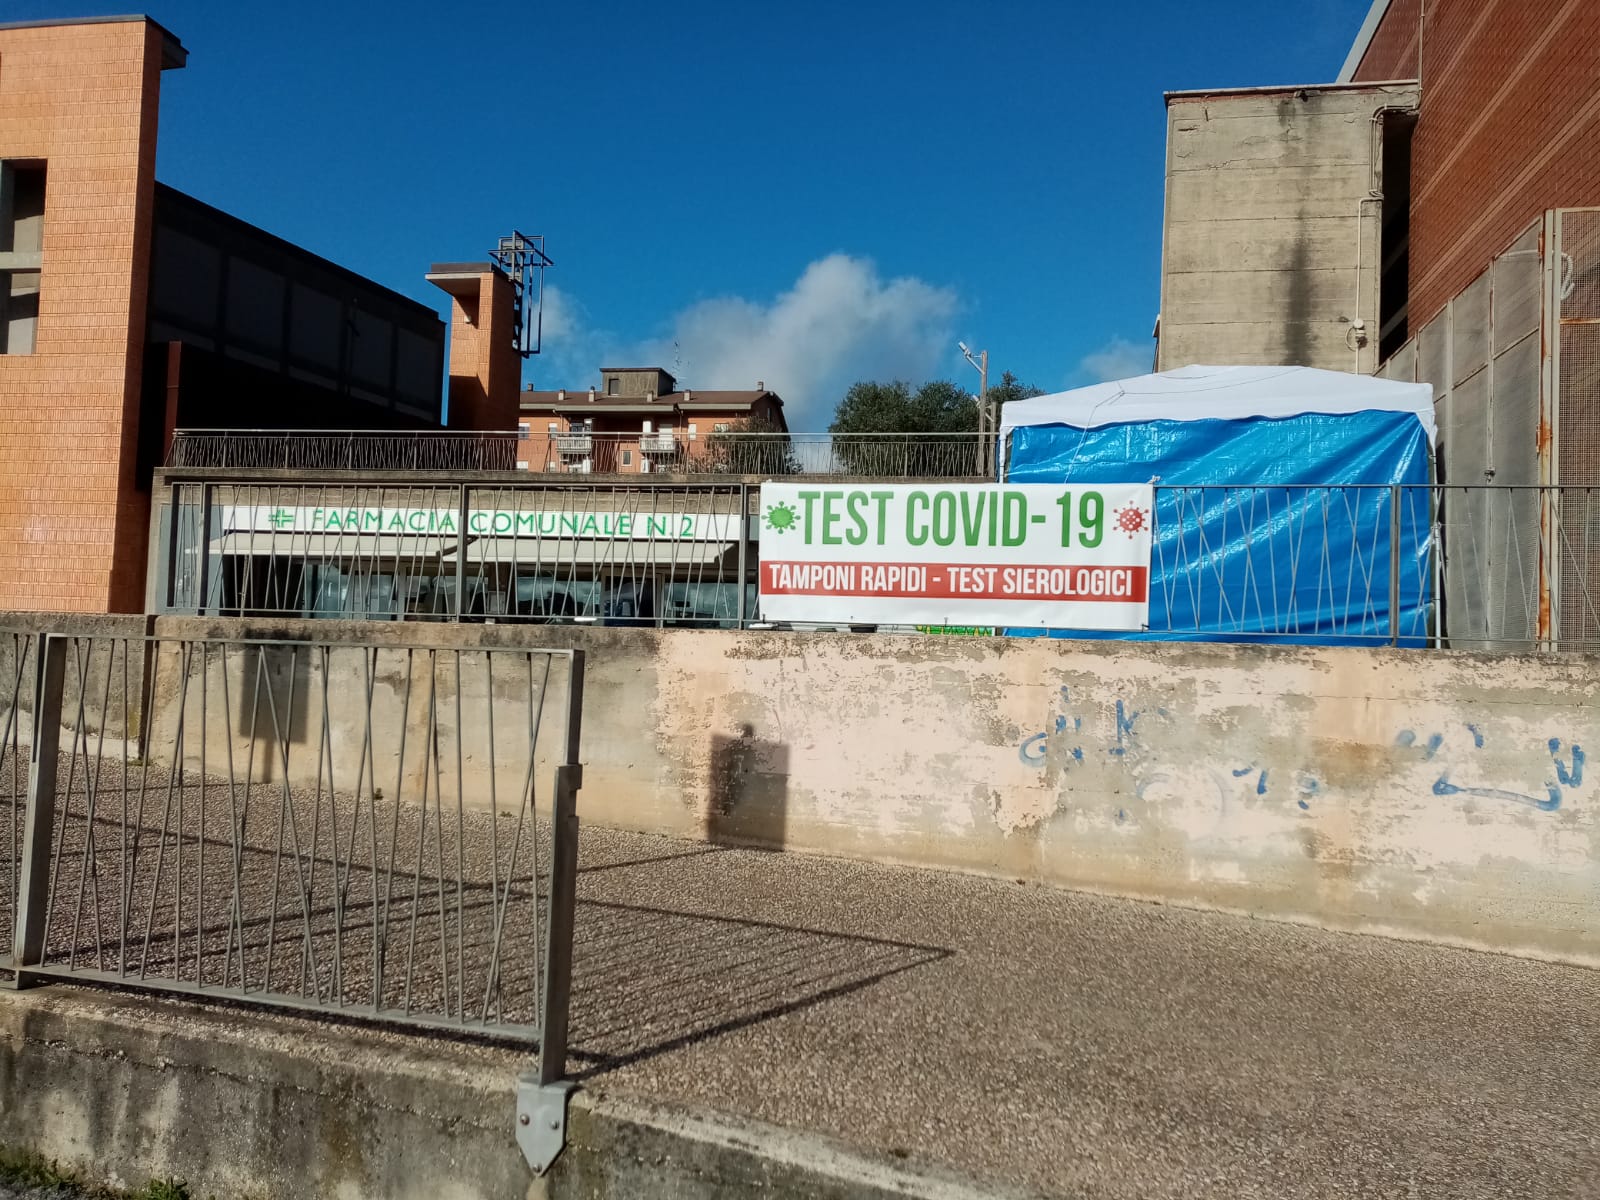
1443, 787
1033, 750
1566, 777
1477, 736
1125, 720
1407, 738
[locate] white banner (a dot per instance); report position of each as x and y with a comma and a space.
598, 524
1025, 555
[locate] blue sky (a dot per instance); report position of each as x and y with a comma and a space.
802, 193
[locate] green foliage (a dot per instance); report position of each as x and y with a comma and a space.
1009, 389
26, 1171
938, 406
895, 410
754, 446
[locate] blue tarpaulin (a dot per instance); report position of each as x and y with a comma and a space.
1271, 524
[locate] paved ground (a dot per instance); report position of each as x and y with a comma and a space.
1076, 1045
1059, 1043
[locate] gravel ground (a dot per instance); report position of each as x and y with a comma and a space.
1068, 1044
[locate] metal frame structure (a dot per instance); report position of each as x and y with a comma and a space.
1491, 556
521, 256
204, 817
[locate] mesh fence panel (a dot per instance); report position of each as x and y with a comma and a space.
1578, 413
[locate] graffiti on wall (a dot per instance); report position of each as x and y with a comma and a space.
1072, 741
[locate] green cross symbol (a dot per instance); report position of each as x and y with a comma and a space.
280, 517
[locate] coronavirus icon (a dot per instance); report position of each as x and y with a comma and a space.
781, 518
1131, 520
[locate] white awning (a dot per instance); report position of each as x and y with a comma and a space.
332, 546
554, 551
507, 551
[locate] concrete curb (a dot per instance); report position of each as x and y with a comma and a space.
620, 1146
238, 1103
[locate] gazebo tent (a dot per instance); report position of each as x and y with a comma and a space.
1285, 496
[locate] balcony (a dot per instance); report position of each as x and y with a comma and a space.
573, 444
661, 442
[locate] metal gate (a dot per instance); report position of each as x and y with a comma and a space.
377, 830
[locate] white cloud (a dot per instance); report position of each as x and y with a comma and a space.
570, 349
1117, 359
840, 322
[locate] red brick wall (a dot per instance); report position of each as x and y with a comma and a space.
1509, 126
485, 369
73, 526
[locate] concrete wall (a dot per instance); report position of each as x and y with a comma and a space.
1261, 236
117, 1087
1437, 795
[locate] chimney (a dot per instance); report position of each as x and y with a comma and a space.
760, 386
561, 395
688, 396
649, 397
591, 395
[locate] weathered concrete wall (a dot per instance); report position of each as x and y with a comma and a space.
1262, 233
120, 1089
1438, 795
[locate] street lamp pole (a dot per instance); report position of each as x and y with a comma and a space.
985, 419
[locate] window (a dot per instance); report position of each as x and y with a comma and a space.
611, 385
522, 464
553, 427
522, 430
693, 429
21, 254
627, 458
721, 427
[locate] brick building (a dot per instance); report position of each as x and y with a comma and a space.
1433, 216
1508, 124
128, 309
1326, 224
637, 421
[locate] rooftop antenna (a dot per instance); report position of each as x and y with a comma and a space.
521, 256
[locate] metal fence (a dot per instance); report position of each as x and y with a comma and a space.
343, 450
664, 554
1480, 567
582, 452
374, 830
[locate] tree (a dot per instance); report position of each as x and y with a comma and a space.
1010, 389
938, 406
891, 411
754, 446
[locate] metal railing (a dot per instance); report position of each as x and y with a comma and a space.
547, 553
343, 450
381, 831
672, 451
1479, 567
1470, 567
675, 451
